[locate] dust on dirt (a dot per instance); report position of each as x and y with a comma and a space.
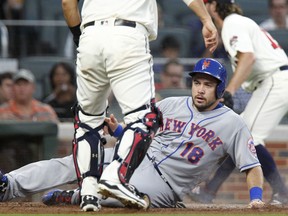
40, 208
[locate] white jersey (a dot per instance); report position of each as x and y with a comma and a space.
242, 34
191, 144
140, 11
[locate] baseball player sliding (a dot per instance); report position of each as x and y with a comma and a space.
261, 67
113, 54
192, 142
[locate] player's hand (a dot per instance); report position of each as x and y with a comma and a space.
227, 99
111, 124
256, 204
210, 35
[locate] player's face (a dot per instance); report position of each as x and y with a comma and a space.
204, 92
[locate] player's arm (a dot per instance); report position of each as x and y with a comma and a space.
242, 71
72, 16
71, 12
254, 178
113, 127
209, 31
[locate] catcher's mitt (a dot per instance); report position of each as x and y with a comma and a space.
228, 100
256, 204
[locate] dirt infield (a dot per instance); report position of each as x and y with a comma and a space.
39, 208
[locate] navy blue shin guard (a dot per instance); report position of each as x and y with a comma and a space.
220, 176
270, 170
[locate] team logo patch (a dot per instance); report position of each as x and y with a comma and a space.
206, 64
251, 147
233, 40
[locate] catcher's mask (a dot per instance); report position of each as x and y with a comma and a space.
215, 69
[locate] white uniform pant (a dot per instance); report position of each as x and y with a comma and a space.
117, 58
267, 106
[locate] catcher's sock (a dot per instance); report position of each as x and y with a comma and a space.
220, 176
270, 170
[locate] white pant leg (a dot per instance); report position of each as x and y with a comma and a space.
40, 176
267, 106
133, 82
116, 56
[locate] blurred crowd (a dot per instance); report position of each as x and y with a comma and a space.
17, 95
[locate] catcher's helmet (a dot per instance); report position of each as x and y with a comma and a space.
215, 69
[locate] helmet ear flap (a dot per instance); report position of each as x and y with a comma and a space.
220, 90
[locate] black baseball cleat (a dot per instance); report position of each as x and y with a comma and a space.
58, 197
3, 185
90, 203
127, 194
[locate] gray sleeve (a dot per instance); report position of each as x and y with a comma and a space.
242, 150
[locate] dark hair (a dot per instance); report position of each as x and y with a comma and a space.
170, 42
171, 62
5, 75
270, 3
68, 68
224, 9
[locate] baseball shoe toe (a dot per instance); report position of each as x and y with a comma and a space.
127, 194
279, 199
3, 185
58, 197
201, 196
90, 203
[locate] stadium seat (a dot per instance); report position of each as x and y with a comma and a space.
183, 35
164, 93
254, 7
31, 10
175, 8
259, 18
49, 39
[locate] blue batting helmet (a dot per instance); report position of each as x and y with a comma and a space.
215, 69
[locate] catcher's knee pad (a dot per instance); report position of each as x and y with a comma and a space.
132, 156
134, 144
91, 137
153, 120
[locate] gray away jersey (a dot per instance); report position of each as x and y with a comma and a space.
193, 144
